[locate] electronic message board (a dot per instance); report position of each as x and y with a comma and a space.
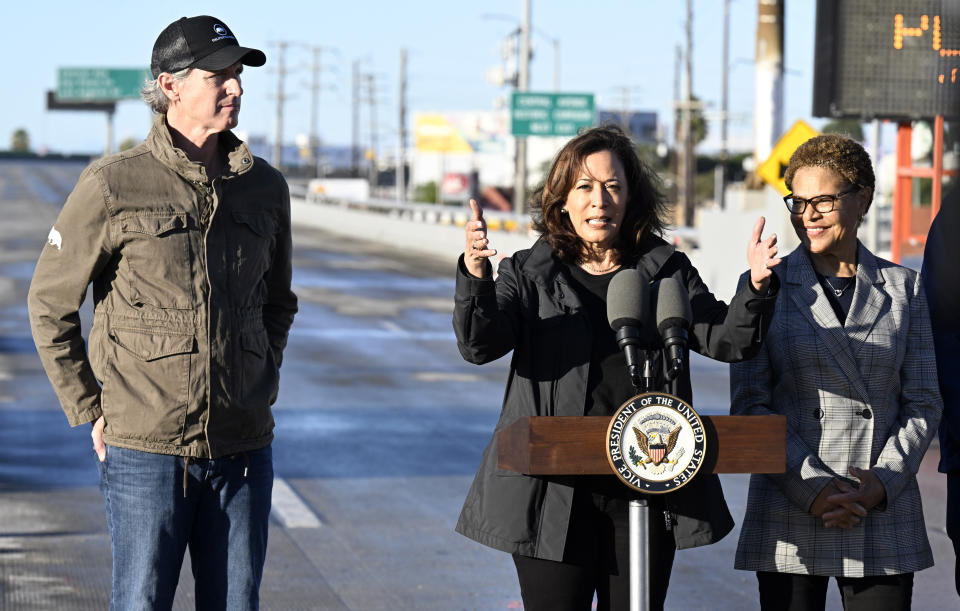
887, 59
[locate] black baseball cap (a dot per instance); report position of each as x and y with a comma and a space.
203, 42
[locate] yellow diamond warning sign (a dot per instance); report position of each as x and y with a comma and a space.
772, 170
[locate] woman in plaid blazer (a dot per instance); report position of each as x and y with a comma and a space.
849, 361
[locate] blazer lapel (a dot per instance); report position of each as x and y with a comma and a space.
869, 300
812, 302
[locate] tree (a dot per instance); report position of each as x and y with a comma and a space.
426, 192
20, 141
845, 127
698, 123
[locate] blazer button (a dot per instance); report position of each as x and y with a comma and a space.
818, 413
866, 413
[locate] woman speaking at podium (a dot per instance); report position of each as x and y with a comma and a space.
599, 210
849, 360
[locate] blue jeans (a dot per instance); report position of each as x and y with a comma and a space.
223, 518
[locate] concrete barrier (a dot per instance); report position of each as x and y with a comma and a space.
432, 230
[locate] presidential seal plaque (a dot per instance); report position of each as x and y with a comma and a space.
656, 443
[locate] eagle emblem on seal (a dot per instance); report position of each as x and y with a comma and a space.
655, 448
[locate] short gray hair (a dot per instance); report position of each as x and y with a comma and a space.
155, 98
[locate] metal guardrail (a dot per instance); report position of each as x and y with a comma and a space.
426, 213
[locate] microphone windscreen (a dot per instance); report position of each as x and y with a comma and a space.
673, 305
627, 299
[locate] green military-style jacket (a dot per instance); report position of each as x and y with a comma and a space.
192, 299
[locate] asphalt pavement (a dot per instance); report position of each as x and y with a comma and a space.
380, 427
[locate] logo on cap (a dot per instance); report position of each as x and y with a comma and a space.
221, 31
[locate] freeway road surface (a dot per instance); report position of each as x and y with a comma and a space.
380, 426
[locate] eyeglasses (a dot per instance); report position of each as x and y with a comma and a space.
822, 203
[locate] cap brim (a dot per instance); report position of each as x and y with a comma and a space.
228, 56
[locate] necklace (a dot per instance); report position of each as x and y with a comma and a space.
594, 270
839, 292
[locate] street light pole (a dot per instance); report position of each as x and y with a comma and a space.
523, 84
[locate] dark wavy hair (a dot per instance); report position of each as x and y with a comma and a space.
646, 208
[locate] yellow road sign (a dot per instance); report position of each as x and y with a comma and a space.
771, 170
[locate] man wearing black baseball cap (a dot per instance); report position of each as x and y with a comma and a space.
186, 241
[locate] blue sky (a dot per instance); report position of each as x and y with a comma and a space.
605, 46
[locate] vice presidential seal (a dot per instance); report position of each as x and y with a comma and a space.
655, 443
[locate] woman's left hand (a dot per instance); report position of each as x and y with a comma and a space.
859, 500
761, 254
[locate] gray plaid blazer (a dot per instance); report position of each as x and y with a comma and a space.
863, 394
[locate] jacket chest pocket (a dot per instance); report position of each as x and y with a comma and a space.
252, 238
158, 254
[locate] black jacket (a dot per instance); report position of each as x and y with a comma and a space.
941, 282
533, 309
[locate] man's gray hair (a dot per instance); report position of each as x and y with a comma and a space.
154, 96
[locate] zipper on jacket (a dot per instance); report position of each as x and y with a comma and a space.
205, 191
668, 519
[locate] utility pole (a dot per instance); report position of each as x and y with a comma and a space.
401, 179
523, 84
677, 120
316, 68
372, 100
720, 175
625, 108
684, 212
556, 64
768, 84
281, 98
355, 95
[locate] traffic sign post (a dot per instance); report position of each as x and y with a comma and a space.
97, 89
550, 114
100, 84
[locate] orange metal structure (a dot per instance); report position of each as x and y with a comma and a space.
902, 230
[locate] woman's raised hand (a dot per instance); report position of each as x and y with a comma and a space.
761, 254
476, 248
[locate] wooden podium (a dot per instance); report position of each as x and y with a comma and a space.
571, 445
574, 445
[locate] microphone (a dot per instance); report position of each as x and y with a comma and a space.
627, 299
673, 320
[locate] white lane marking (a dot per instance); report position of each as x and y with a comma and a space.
446, 376
393, 327
289, 509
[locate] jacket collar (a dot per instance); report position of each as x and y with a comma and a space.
657, 254
844, 342
543, 264
160, 142
545, 269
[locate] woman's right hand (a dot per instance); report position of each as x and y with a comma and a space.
476, 248
828, 507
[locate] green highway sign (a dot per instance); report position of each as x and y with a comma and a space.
550, 114
100, 84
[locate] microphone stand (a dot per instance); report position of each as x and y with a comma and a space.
638, 515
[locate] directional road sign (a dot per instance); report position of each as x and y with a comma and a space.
550, 114
100, 84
